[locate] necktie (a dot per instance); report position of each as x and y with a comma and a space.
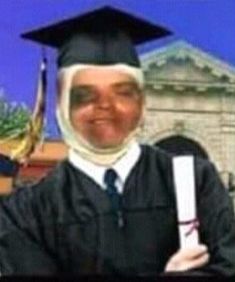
110, 177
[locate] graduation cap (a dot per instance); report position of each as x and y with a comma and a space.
104, 36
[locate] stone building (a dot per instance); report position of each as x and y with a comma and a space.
191, 105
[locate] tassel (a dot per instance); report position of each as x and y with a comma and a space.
34, 129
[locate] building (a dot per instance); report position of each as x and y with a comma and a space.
191, 105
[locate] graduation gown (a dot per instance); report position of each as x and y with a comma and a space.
64, 224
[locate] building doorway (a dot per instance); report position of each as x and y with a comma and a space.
179, 145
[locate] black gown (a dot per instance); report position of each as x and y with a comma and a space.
64, 224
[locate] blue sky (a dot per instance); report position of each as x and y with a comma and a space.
207, 24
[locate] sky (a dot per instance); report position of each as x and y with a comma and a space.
207, 24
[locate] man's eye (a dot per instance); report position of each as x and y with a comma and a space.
128, 92
80, 96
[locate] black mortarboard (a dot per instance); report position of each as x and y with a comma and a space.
103, 36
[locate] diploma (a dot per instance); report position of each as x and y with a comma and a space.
184, 180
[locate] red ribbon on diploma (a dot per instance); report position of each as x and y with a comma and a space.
194, 224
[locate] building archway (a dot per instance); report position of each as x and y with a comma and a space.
180, 145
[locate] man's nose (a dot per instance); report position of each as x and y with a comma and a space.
105, 101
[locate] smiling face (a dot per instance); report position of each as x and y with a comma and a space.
105, 106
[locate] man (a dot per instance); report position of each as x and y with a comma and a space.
110, 207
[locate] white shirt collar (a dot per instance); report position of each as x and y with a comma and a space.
123, 166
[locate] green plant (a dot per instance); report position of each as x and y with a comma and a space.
13, 118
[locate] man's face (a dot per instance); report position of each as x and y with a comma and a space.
105, 106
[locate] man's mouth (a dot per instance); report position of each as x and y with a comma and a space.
101, 120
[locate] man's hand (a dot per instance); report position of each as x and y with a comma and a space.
188, 258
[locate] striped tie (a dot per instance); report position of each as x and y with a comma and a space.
110, 177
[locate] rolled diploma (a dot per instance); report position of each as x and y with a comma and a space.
184, 180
